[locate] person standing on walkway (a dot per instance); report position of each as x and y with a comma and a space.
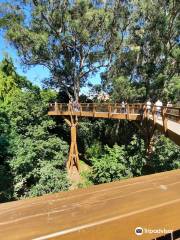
158, 105
148, 106
169, 104
70, 105
123, 107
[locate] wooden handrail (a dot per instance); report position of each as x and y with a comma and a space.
107, 211
164, 119
116, 108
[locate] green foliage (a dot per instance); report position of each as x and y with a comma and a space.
67, 37
123, 89
38, 166
4, 131
48, 95
111, 166
11, 82
6, 187
172, 90
166, 155
118, 162
85, 134
137, 158
94, 150
7, 86
85, 173
148, 53
89, 131
32, 160
33, 148
50, 180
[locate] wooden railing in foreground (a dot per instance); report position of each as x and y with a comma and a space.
108, 211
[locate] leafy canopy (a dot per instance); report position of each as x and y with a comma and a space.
67, 37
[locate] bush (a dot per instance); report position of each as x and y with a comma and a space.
111, 166
38, 166
166, 155
118, 162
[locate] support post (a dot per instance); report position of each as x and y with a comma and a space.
144, 112
56, 107
109, 111
80, 110
115, 108
154, 115
127, 111
164, 118
94, 110
73, 159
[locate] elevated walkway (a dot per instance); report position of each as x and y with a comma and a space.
108, 211
168, 122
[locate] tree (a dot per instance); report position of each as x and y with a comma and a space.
32, 159
172, 90
67, 37
38, 162
4, 133
149, 55
122, 89
10, 81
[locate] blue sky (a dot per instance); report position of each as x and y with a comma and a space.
34, 74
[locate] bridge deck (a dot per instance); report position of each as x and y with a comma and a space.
173, 129
173, 126
108, 211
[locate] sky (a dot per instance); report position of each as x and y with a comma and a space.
38, 73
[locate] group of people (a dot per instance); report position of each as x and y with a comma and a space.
75, 105
158, 104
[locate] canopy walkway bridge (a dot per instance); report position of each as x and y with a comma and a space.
166, 120
108, 211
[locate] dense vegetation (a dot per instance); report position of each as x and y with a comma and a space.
135, 45
32, 158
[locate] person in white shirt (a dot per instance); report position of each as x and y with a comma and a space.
169, 104
123, 107
148, 106
158, 105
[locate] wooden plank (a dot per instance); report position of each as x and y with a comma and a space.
107, 211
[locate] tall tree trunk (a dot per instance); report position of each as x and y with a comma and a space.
76, 88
